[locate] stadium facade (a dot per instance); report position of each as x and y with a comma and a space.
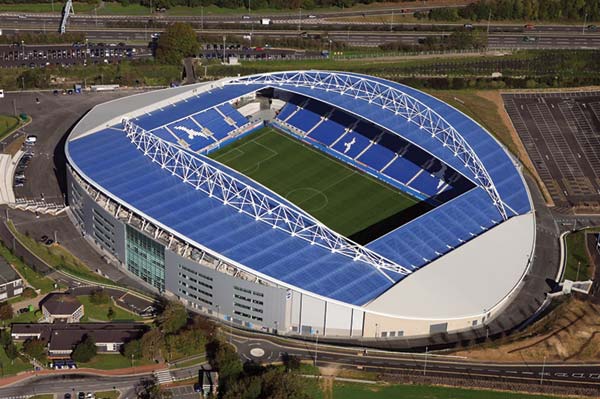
143, 190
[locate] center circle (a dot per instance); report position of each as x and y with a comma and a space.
257, 352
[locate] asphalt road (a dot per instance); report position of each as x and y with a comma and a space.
423, 363
542, 40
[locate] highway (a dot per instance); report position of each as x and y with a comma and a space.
542, 40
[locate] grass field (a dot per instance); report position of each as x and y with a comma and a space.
7, 124
36, 280
111, 362
337, 195
360, 391
99, 312
577, 258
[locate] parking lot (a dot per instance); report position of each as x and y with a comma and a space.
561, 133
23, 55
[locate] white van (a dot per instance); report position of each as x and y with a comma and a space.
1, 93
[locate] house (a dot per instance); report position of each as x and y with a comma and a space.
62, 338
11, 283
63, 308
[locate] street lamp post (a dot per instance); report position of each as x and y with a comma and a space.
543, 369
584, 22
316, 347
425, 365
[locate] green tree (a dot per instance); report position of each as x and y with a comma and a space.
111, 313
133, 349
152, 344
5, 338
11, 351
173, 318
151, 389
273, 383
178, 41
34, 348
223, 357
85, 350
6, 311
99, 297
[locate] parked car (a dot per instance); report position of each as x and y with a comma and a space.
31, 139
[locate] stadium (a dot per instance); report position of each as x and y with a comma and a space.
306, 203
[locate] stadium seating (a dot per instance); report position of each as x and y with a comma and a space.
204, 128
190, 106
498, 163
376, 151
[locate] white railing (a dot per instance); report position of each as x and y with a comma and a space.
393, 100
195, 170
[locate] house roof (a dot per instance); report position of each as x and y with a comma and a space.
61, 304
66, 336
7, 273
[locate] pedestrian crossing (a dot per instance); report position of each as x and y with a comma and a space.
163, 376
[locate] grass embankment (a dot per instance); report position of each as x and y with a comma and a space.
8, 124
43, 396
578, 266
46, 7
334, 193
566, 334
360, 391
36, 280
99, 312
11, 367
112, 362
107, 395
59, 258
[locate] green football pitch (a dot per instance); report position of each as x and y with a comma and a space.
339, 196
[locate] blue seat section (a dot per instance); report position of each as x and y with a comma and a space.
228, 110
440, 230
427, 184
356, 140
109, 158
332, 128
305, 119
214, 121
327, 132
497, 162
401, 170
287, 110
503, 172
189, 131
377, 156
192, 105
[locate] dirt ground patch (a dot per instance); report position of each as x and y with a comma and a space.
570, 333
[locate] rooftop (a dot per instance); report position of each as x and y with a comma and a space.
7, 273
61, 304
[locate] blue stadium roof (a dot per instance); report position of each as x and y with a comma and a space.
109, 159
